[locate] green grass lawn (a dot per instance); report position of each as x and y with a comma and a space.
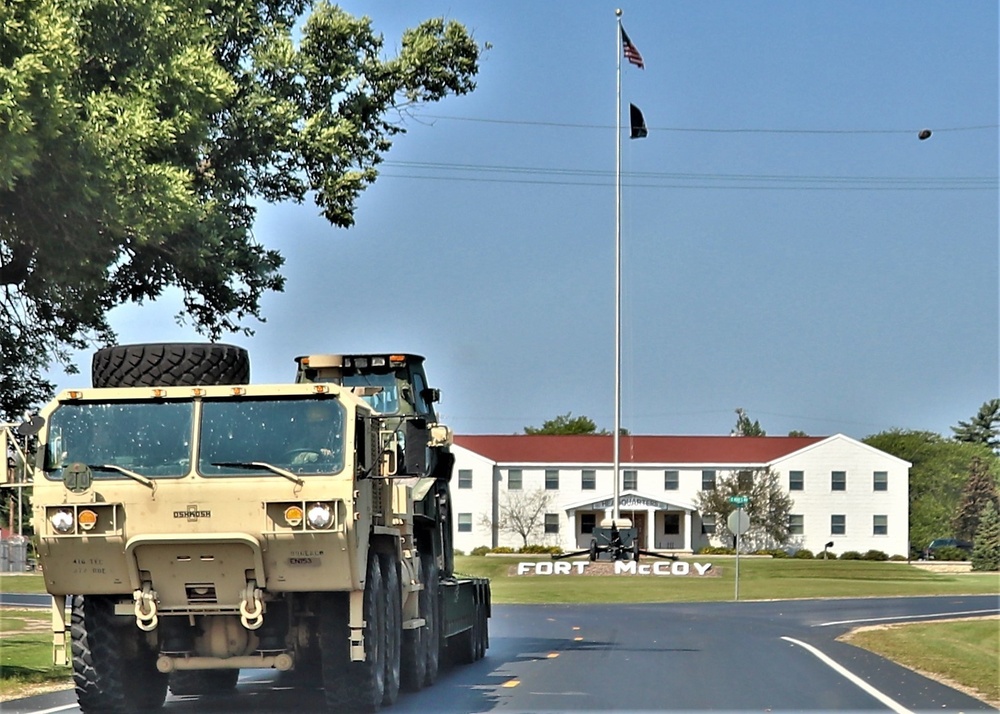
760, 579
966, 652
26, 655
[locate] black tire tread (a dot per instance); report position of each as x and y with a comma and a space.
169, 365
206, 681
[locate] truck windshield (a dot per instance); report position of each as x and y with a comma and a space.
386, 401
149, 438
301, 435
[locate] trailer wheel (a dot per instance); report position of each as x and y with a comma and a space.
432, 633
114, 669
205, 681
170, 364
393, 627
635, 550
356, 686
593, 550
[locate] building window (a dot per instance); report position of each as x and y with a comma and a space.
796, 480
744, 481
587, 523
838, 525
465, 478
671, 481
551, 523
880, 525
465, 523
708, 480
588, 480
514, 480
551, 479
796, 525
630, 480
838, 481
671, 524
880, 481
707, 524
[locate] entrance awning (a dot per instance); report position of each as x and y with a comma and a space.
630, 500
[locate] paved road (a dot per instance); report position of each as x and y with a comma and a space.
763, 656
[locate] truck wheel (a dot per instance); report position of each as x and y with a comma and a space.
393, 627
357, 686
114, 670
432, 630
170, 364
413, 657
205, 681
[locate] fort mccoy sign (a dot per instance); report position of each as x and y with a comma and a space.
618, 567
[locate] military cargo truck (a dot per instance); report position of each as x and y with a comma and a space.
193, 524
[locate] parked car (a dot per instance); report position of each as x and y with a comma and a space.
939, 543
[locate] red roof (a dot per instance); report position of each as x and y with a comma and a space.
598, 449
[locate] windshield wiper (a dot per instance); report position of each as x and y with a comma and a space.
120, 469
261, 466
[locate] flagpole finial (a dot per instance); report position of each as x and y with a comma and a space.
618, 12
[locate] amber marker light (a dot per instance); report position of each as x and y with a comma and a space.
293, 516
87, 519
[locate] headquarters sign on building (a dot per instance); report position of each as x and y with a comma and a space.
842, 490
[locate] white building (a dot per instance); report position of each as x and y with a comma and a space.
842, 490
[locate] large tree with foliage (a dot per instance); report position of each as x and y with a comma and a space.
137, 137
983, 428
938, 474
745, 426
565, 424
768, 507
980, 489
986, 546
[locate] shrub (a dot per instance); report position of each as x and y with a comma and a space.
874, 555
541, 550
897, 558
826, 555
503, 549
716, 550
850, 555
459, 552
803, 554
480, 550
950, 552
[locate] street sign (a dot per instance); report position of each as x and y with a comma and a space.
739, 500
738, 521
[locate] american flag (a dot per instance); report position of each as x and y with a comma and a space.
631, 52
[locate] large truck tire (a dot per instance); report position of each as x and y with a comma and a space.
170, 365
432, 613
354, 686
114, 670
206, 681
393, 627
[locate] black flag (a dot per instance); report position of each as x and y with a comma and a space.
637, 122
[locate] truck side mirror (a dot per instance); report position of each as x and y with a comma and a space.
415, 447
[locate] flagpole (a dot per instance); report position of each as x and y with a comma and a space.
618, 273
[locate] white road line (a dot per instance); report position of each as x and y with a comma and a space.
887, 701
55, 709
994, 611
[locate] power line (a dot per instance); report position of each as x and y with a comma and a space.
711, 130
534, 175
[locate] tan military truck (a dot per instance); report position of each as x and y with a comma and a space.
194, 524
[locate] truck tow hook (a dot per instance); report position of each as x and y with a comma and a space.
145, 608
251, 607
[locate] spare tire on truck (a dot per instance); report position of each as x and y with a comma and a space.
170, 365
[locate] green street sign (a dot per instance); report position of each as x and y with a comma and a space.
739, 500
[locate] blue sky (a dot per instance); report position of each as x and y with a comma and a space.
789, 245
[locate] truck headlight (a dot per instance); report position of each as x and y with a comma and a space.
62, 521
319, 516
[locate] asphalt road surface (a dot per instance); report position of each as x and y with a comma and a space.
744, 656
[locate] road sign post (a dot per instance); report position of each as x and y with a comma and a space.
739, 523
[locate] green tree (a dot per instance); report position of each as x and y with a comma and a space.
979, 490
939, 468
983, 428
565, 424
139, 135
745, 427
768, 507
986, 546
